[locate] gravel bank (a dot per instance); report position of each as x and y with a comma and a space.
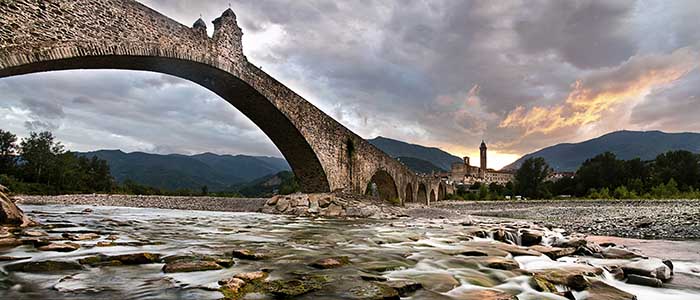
167, 202
647, 219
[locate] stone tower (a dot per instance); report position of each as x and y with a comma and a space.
482, 152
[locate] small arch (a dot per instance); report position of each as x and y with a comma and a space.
408, 193
382, 185
432, 195
442, 192
422, 196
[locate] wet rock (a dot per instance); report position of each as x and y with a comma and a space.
252, 276
33, 233
553, 252
249, 254
643, 280
571, 276
495, 262
45, 266
331, 262
112, 237
383, 266
618, 253
105, 244
11, 258
87, 210
59, 247
570, 243
81, 237
437, 282
652, 267
601, 290
294, 287
122, 259
479, 294
403, 287
541, 284
232, 288
10, 214
10, 242
190, 266
530, 237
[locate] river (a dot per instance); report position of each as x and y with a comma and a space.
422, 250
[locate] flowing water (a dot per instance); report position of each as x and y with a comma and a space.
416, 249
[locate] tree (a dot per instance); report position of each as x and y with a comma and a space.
681, 166
601, 171
38, 153
8, 149
529, 179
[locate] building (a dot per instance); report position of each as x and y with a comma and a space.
464, 173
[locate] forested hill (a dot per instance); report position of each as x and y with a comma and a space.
624, 144
176, 171
435, 156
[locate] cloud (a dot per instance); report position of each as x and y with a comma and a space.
603, 91
43, 108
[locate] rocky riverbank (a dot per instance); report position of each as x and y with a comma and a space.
646, 219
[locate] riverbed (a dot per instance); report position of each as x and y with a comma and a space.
430, 252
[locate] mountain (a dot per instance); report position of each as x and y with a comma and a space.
176, 171
624, 144
435, 156
266, 186
418, 165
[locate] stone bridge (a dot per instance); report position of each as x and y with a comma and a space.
43, 35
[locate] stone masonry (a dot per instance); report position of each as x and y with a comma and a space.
48, 35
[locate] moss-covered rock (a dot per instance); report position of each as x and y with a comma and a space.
45, 266
541, 284
249, 254
286, 288
190, 266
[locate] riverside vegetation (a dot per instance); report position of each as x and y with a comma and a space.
672, 175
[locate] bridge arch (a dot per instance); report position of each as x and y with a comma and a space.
432, 196
442, 191
408, 193
382, 185
422, 195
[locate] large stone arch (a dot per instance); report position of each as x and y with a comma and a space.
408, 193
382, 185
422, 194
38, 36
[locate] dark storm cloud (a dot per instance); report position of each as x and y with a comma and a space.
444, 73
587, 34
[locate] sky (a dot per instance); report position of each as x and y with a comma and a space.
521, 75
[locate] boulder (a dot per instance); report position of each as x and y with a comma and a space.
10, 214
541, 284
572, 276
652, 267
530, 237
232, 288
122, 259
642, 280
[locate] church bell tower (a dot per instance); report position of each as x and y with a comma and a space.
482, 151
